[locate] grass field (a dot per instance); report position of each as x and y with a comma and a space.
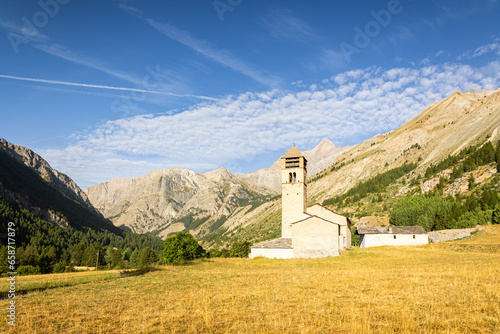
450, 288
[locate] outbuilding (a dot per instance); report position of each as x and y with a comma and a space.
392, 236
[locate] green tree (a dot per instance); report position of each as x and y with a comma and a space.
240, 249
91, 254
3, 258
214, 253
117, 259
471, 182
133, 258
497, 157
181, 247
30, 256
421, 210
126, 254
60, 267
496, 215
108, 254
77, 252
146, 258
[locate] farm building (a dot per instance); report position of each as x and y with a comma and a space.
306, 232
392, 236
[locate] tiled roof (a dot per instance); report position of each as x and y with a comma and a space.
293, 153
283, 243
390, 230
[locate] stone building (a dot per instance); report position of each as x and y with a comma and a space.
306, 232
392, 236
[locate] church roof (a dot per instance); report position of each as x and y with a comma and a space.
293, 153
390, 230
315, 216
324, 207
282, 243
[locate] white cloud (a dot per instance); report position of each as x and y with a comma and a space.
439, 53
482, 50
212, 134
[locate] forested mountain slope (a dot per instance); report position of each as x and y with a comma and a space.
50, 223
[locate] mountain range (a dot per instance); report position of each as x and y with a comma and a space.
171, 200
218, 206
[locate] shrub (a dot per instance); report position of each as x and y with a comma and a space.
181, 247
28, 270
240, 249
60, 267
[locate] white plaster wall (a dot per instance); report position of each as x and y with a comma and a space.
320, 211
271, 253
314, 237
373, 240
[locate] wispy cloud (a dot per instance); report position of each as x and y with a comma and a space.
460, 10
345, 108
283, 24
66, 54
127, 89
221, 56
169, 85
482, 50
23, 31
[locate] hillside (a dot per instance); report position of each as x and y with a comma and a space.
443, 128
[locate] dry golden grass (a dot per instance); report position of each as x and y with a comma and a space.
436, 288
40, 282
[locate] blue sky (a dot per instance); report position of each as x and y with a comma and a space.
105, 89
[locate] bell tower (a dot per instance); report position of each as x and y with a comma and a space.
293, 189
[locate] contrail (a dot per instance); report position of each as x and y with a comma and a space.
55, 82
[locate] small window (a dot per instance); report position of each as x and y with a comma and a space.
394, 236
414, 236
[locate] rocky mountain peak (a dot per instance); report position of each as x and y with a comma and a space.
218, 175
58, 180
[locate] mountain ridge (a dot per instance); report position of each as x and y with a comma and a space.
162, 197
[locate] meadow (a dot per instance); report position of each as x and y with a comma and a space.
450, 287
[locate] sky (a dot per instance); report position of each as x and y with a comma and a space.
105, 89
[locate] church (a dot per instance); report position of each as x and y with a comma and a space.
306, 232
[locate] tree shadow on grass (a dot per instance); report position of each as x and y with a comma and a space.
138, 272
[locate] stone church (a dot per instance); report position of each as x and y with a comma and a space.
306, 232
